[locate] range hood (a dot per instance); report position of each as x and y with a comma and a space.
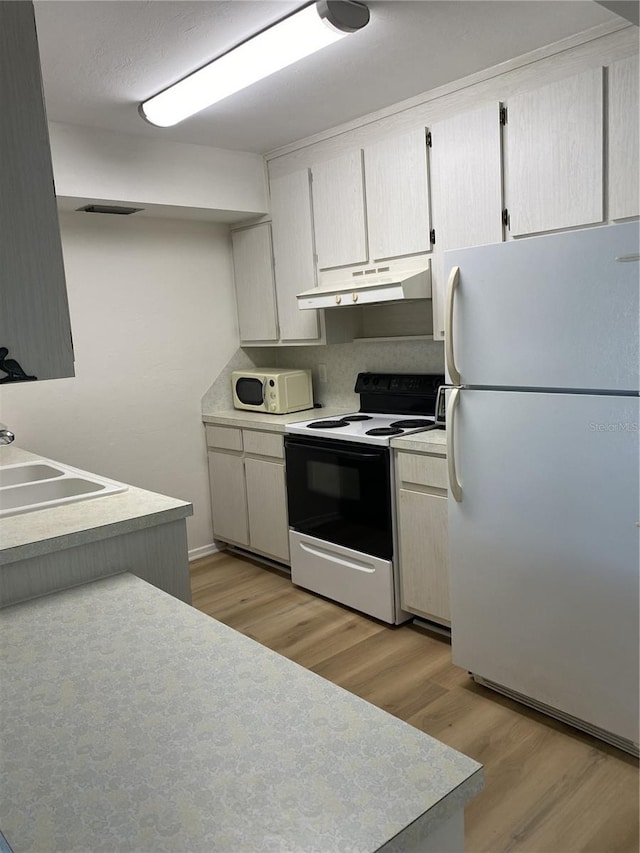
373, 285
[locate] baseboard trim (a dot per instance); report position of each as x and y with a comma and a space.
203, 551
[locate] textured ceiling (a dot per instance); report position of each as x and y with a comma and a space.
99, 59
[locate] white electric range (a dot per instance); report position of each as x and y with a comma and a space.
342, 530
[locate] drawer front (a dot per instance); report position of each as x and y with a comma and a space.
422, 470
357, 580
263, 443
225, 438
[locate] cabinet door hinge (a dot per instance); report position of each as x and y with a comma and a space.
429, 139
503, 115
432, 236
506, 220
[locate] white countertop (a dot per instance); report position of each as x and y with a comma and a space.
431, 441
57, 528
131, 721
265, 421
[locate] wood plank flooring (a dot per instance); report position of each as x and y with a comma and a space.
548, 788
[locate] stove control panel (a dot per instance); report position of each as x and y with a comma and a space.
399, 383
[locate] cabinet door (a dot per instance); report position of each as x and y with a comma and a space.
228, 497
397, 183
34, 313
424, 557
267, 507
293, 254
624, 150
466, 187
255, 295
554, 153
338, 211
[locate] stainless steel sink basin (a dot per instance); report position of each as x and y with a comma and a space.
29, 486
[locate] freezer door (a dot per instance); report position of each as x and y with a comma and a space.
558, 311
544, 550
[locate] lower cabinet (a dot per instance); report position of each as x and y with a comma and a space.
421, 500
228, 497
248, 490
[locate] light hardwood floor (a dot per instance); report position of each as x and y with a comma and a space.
548, 788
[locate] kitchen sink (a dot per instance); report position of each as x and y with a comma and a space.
28, 472
30, 486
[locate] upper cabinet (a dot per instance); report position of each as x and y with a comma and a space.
624, 151
555, 155
372, 205
255, 293
34, 312
397, 184
338, 211
293, 254
466, 169
501, 161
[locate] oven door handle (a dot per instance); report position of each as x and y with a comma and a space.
344, 454
326, 554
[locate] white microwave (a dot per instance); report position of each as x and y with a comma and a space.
275, 391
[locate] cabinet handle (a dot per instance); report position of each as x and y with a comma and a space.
452, 283
354, 296
454, 484
338, 299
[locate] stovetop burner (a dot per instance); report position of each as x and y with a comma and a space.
410, 423
327, 424
391, 405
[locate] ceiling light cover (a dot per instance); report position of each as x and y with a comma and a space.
293, 38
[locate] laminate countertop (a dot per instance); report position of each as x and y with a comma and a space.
429, 441
267, 422
133, 722
45, 531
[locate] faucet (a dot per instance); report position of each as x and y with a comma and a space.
6, 436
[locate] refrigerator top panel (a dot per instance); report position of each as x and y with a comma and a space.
559, 311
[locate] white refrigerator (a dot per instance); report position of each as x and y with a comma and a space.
543, 454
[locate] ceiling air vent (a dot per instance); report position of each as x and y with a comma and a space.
109, 208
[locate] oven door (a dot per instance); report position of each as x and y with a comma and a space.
340, 492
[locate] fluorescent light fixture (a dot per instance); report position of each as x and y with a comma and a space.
301, 34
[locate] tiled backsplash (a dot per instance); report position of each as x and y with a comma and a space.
342, 361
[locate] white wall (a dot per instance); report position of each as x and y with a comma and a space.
153, 319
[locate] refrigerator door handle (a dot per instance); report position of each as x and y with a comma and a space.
452, 283
454, 484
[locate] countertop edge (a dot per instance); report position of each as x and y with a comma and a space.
423, 826
106, 530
